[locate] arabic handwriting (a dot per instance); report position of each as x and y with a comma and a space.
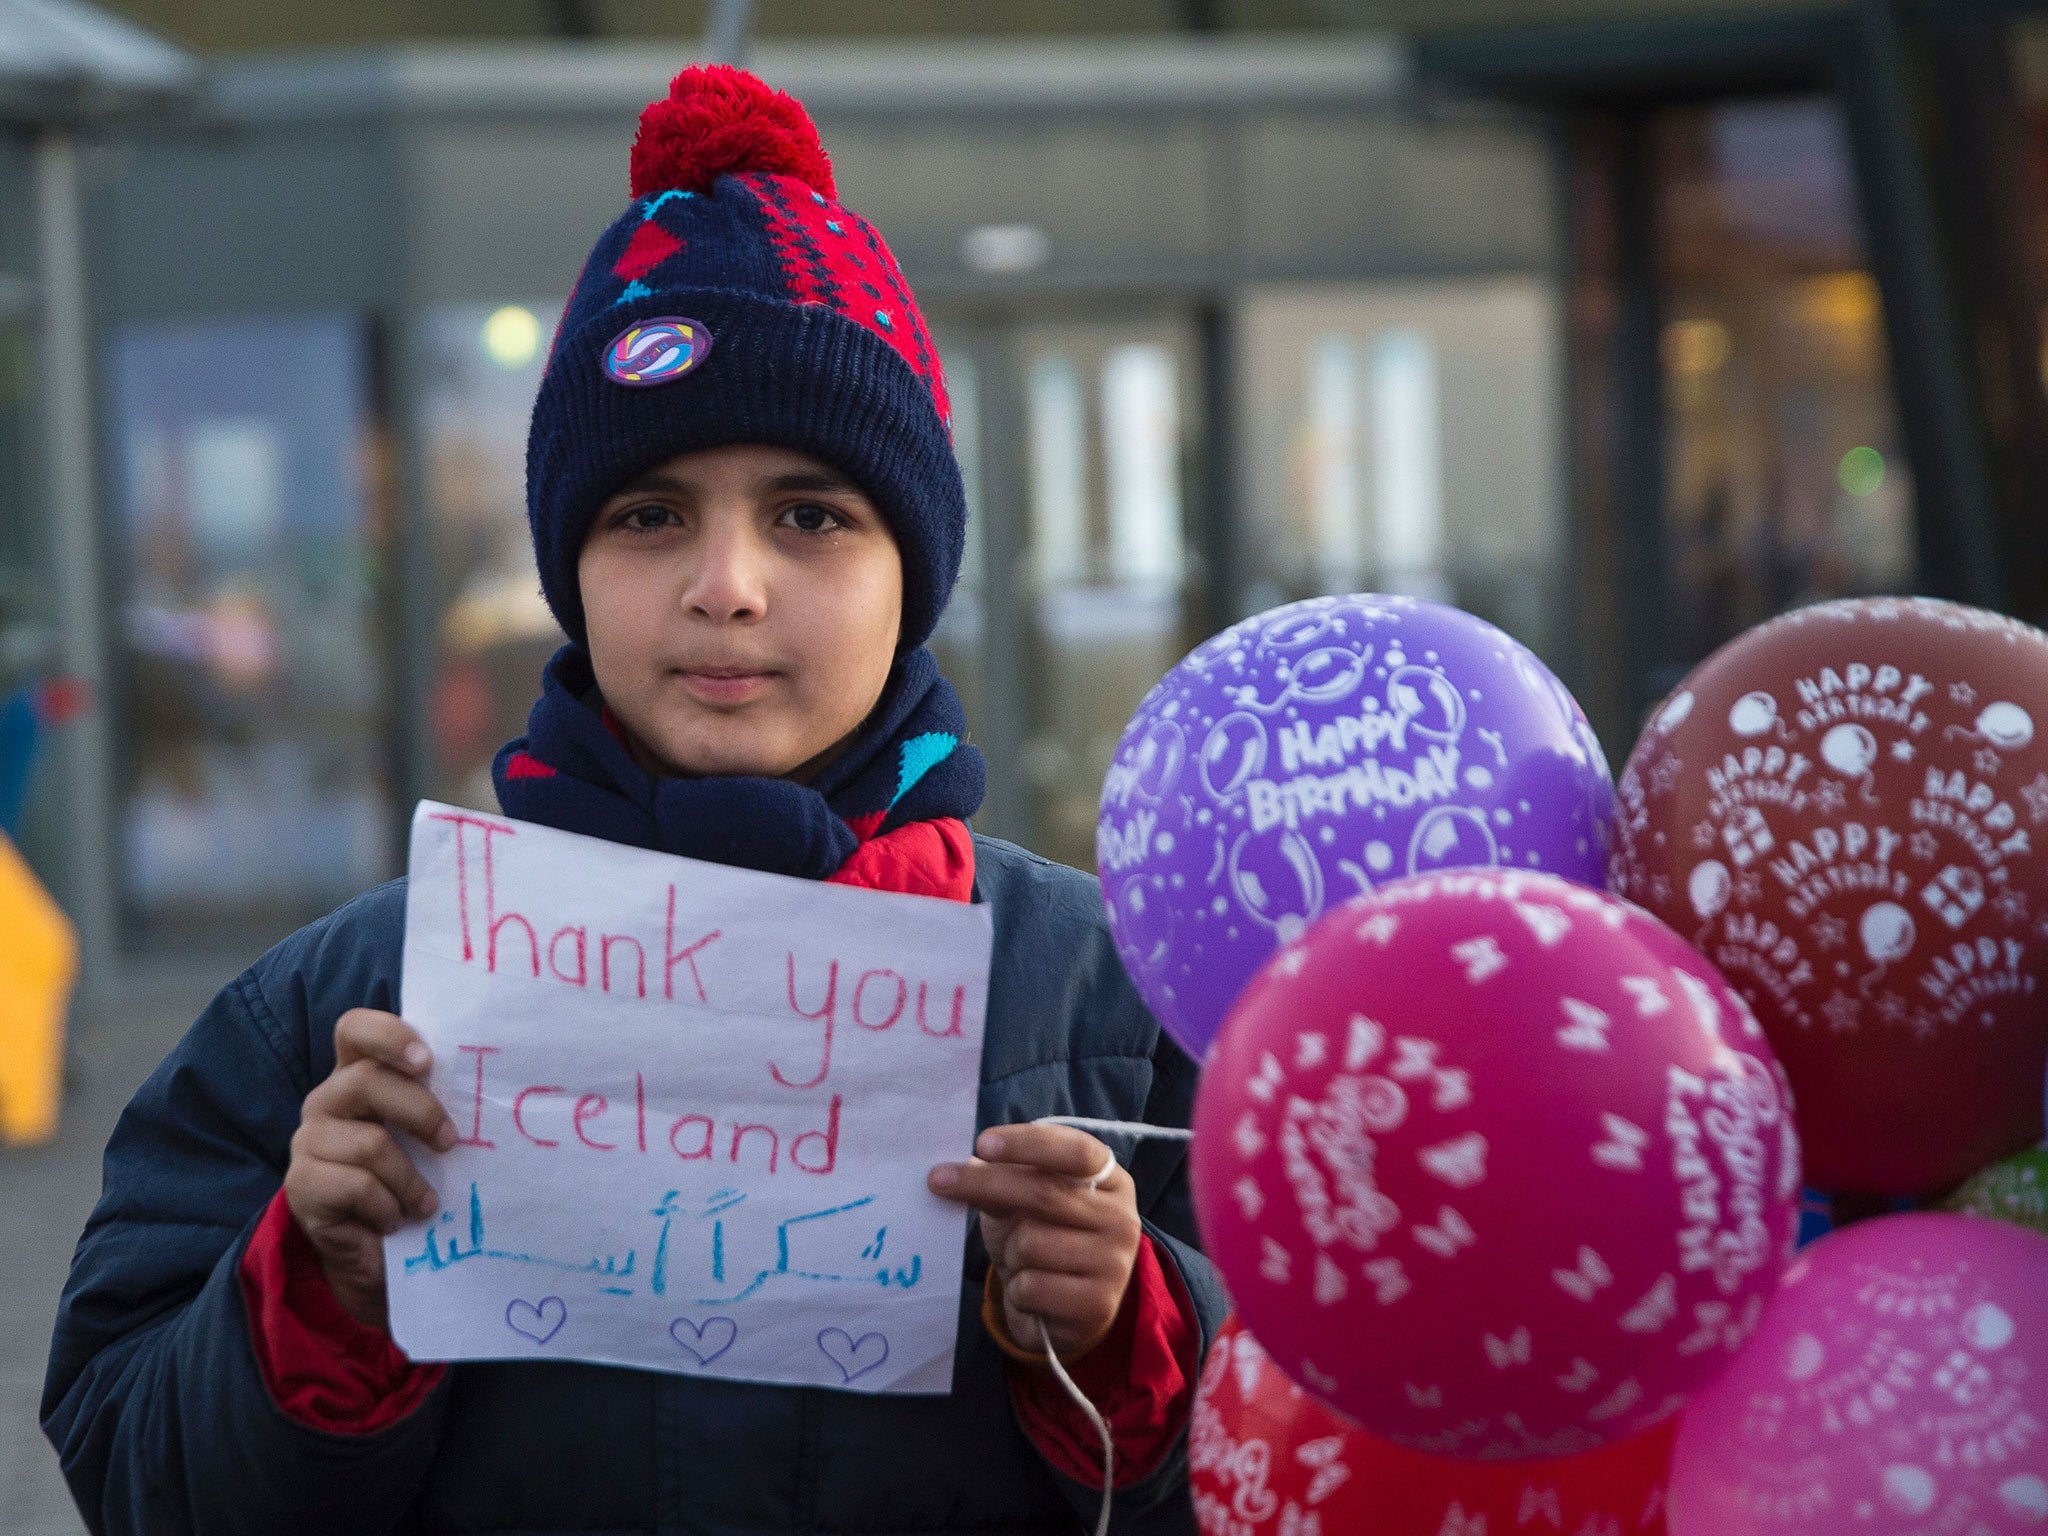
433, 1256
442, 1250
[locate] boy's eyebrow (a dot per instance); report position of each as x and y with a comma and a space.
809, 480
655, 480
773, 485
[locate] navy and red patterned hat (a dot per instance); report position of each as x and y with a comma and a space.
737, 301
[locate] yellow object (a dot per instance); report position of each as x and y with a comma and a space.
38, 963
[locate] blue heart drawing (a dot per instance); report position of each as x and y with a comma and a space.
854, 1357
538, 1323
704, 1342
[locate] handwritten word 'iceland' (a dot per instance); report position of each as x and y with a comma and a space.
694, 1110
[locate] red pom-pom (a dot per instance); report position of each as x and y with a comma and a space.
720, 121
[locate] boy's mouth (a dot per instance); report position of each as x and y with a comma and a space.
725, 685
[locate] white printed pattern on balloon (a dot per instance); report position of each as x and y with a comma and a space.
1720, 1133
1965, 1449
1856, 878
1241, 1471
1243, 1468
1260, 792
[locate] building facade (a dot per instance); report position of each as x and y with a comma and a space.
1623, 333
1208, 311
69, 76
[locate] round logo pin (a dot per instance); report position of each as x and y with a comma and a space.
656, 351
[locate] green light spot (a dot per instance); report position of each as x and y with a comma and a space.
1861, 471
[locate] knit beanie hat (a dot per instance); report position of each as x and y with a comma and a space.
737, 301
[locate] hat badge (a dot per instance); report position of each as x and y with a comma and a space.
656, 351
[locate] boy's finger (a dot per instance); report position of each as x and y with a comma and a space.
364, 1144
332, 1193
1006, 1190
1065, 1300
1033, 1245
368, 1090
1060, 1149
384, 1037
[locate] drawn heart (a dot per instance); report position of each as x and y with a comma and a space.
704, 1342
538, 1323
854, 1357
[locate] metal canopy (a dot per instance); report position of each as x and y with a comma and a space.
1613, 60
60, 60
916, 79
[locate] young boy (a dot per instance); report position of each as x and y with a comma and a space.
747, 517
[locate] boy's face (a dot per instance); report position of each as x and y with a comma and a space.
742, 607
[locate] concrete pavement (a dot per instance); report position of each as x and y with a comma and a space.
46, 1193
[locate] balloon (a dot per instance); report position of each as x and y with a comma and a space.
1264, 1456
2015, 1190
1842, 809
1495, 1165
1314, 752
1897, 1387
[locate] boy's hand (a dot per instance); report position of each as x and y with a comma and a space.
350, 1182
1064, 1251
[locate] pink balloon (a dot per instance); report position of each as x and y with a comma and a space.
1897, 1387
1496, 1165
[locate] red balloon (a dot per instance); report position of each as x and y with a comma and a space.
1265, 1456
1842, 809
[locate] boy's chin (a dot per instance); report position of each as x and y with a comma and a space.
724, 765
729, 759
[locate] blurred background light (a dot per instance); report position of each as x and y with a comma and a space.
1862, 471
511, 336
999, 249
1695, 347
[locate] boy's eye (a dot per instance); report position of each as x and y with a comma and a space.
812, 518
642, 518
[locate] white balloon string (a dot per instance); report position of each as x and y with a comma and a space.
1133, 1128
1137, 1128
1101, 1175
1094, 1417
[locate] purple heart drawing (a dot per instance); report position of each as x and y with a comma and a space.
854, 1357
704, 1342
538, 1323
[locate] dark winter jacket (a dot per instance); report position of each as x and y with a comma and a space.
157, 1408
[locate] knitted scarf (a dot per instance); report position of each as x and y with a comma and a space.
907, 763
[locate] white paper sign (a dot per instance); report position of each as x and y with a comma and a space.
697, 1105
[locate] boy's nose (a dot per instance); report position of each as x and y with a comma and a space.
728, 582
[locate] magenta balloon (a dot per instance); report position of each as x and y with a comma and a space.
1898, 1386
1496, 1165
1311, 753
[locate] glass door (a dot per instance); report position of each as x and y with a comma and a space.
1401, 436
492, 631
255, 793
1786, 482
1735, 449
1109, 429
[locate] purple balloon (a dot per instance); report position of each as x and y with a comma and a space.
1313, 752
